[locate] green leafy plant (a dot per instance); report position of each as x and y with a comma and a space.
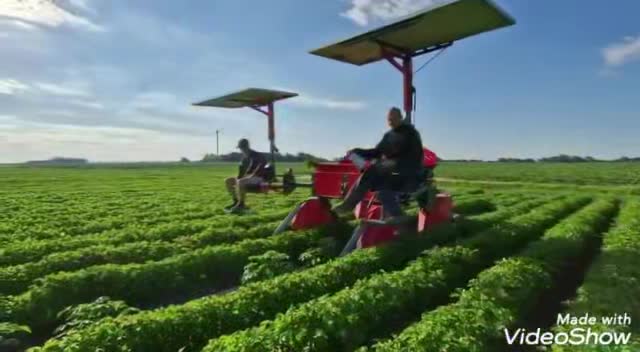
500, 296
327, 248
346, 319
83, 315
266, 266
253, 303
612, 283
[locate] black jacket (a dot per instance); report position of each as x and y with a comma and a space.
403, 145
255, 162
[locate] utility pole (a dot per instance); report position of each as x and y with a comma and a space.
218, 142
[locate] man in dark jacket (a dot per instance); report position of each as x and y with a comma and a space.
399, 164
252, 172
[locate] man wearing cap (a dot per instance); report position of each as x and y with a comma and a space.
251, 173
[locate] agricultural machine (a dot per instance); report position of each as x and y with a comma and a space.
431, 30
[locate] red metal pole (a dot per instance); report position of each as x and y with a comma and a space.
407, 73
272, 130
270, 115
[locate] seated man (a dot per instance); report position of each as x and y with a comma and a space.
252, 172
400, 157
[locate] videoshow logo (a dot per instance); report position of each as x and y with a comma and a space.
578, 335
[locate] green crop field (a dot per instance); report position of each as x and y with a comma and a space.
588, 173
142, 257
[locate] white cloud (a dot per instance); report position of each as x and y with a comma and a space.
66, 89
363, 12
81, 4
87, 104
18, 24
12, 86
7, 117
48, 13
23, 140
60, 112
315, 102
618, 54
154, 100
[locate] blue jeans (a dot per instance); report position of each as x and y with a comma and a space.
390, 203
377, 179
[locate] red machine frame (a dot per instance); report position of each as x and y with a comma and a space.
397, 43
333, 180
405, 66
270, 113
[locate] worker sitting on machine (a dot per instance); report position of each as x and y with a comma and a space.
398, 168
253, 172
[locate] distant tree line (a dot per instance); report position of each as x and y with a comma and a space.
625, 159
236, 156
461, 160
58, 161
302, 157
562, 158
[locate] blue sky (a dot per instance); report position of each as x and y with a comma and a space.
113, 80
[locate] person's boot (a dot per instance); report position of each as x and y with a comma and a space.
228, 207
349, 203
238, 208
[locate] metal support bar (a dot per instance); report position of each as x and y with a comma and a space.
396, 64
405, 66
407, 87
272, 132
284, 225
353, 241
270, 113
392, 221
258, 108
392, 54
431, 49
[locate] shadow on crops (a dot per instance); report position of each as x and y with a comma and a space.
468, 233
542, 311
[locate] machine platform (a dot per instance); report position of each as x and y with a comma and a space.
247, 98
257, 99
421, 32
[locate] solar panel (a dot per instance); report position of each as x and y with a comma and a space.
247, 97
432, 27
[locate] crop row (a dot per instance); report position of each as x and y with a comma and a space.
500, 296
564, 173
68, 227
29, 251
506, 197
15, 279
95, 205
612, 284
208, 268
191, 324
216, 266
41, 224
351, 317
472, 203
26, 251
